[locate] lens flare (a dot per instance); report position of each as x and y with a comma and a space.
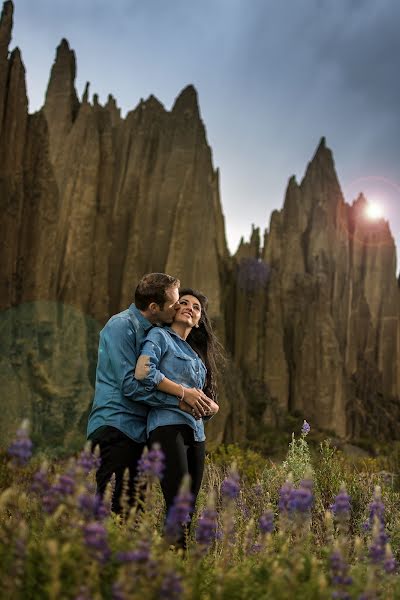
374, 211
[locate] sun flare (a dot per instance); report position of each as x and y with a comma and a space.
374, 211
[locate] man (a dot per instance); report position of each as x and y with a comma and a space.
117, 421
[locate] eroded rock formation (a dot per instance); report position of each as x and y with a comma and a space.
90, 201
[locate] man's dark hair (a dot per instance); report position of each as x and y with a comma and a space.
152, 287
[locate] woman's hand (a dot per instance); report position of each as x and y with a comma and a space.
197, 400
212, 408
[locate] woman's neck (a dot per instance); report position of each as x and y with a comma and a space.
181, 329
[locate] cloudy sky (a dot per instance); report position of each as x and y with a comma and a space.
273, 77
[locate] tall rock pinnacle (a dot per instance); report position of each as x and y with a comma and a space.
61, 104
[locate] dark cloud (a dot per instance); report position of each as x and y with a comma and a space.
273, 77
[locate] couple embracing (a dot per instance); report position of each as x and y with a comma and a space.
155, 383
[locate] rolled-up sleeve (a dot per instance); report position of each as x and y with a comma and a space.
147, 371
119, 339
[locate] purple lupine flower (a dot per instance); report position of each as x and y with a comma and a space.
20, 449
379, 539
305, 428
51, 500
207, 527
152, 463
389, 563
179, 514
230, 487
92, 506
266, 522
300, 499
171, 586
376, 509
141, 554
339, 575
88, 460
95, 536
341, 506
65, 485
284, 495
40, 482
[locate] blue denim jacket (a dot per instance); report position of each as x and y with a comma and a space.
170, 355
116, 400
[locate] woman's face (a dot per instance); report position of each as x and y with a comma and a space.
189, 311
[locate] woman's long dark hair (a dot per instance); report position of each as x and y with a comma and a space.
204, 341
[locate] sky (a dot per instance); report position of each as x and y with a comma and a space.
272, 76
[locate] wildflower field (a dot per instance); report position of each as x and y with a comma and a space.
314, 526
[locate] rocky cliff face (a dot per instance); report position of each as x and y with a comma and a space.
91, 201
325, 302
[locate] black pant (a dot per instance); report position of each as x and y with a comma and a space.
117, 453
183, 455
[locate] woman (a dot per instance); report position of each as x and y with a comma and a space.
186, 354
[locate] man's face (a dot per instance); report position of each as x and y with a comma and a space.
167, 312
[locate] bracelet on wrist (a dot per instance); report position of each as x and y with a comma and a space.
180, 398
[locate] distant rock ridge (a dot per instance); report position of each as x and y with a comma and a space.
90, 201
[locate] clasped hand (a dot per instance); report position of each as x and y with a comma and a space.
196, 403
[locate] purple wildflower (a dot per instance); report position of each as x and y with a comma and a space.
301, 499
141, 554
339, 575
20, 449
305, 428
266, 522
92, 506
171, 586
152, 463
389, 563
378, 543
341, 506
230, 487
284, 495
207, 527
40, 484
179, 514
95, 536
88, 460
65, 485
376, 509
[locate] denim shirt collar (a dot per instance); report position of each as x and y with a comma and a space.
145, 323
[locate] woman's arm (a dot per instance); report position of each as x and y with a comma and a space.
147, 372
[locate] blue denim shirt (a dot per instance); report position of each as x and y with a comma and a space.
170, 355
116, 399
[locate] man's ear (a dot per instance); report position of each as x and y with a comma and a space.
154, 307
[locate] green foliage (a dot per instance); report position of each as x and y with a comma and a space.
44, 553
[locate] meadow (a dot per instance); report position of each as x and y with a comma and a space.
312, 526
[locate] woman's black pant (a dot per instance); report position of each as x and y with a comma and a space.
183, 455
